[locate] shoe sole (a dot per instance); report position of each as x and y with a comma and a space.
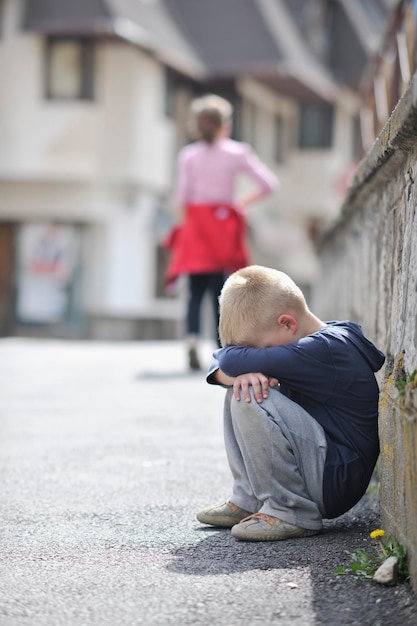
220, 522
243, 535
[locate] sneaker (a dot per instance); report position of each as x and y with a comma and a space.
193, 360
262, 527
223, 515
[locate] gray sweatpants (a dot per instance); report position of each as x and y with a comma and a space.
276, 452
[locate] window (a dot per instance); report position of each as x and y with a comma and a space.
48, 272
69, 69
357, 147
316, 125
250, 120
1, 18
169, 99
278, 139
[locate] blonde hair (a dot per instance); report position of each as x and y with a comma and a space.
251, 301
209, 114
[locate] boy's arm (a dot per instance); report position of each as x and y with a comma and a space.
237, 360
241, 384
220, 378
299, 365
292, 364
216, 376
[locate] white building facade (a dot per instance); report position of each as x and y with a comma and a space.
89, 170
90, 124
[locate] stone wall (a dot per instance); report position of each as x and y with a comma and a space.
368, 273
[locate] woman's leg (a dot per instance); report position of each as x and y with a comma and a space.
197, 285
216, 282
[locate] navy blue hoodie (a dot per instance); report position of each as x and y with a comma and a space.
330, 373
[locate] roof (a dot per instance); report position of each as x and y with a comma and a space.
351, 32
273, 40
145, 23
255, 37
230, 35
80, 16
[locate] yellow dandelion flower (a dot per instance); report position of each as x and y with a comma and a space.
376, 534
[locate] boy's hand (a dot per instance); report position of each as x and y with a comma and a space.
259, 382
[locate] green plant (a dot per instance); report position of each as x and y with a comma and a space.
402, 384
397, 549
365, 563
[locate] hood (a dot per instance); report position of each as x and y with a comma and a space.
353, 333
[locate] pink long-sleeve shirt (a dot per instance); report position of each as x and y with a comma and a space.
207, 173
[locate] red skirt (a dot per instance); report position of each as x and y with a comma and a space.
212, 238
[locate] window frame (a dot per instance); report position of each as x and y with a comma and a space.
279, 138
326, 112
86, 69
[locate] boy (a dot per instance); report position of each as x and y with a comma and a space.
301, 413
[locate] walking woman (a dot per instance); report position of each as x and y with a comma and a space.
210, 241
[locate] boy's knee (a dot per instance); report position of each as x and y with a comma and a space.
242, 409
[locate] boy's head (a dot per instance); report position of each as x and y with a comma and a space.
260, 306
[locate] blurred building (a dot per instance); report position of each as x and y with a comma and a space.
93, 110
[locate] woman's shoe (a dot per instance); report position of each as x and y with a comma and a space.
193, 360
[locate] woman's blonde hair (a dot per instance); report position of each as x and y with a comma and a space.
251, 301
208, 115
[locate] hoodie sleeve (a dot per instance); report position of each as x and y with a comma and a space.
210, 378
337, 358
303, 366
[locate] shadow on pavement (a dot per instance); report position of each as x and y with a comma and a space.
218, 553
337, 600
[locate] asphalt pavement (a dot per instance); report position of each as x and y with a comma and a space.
107, 451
